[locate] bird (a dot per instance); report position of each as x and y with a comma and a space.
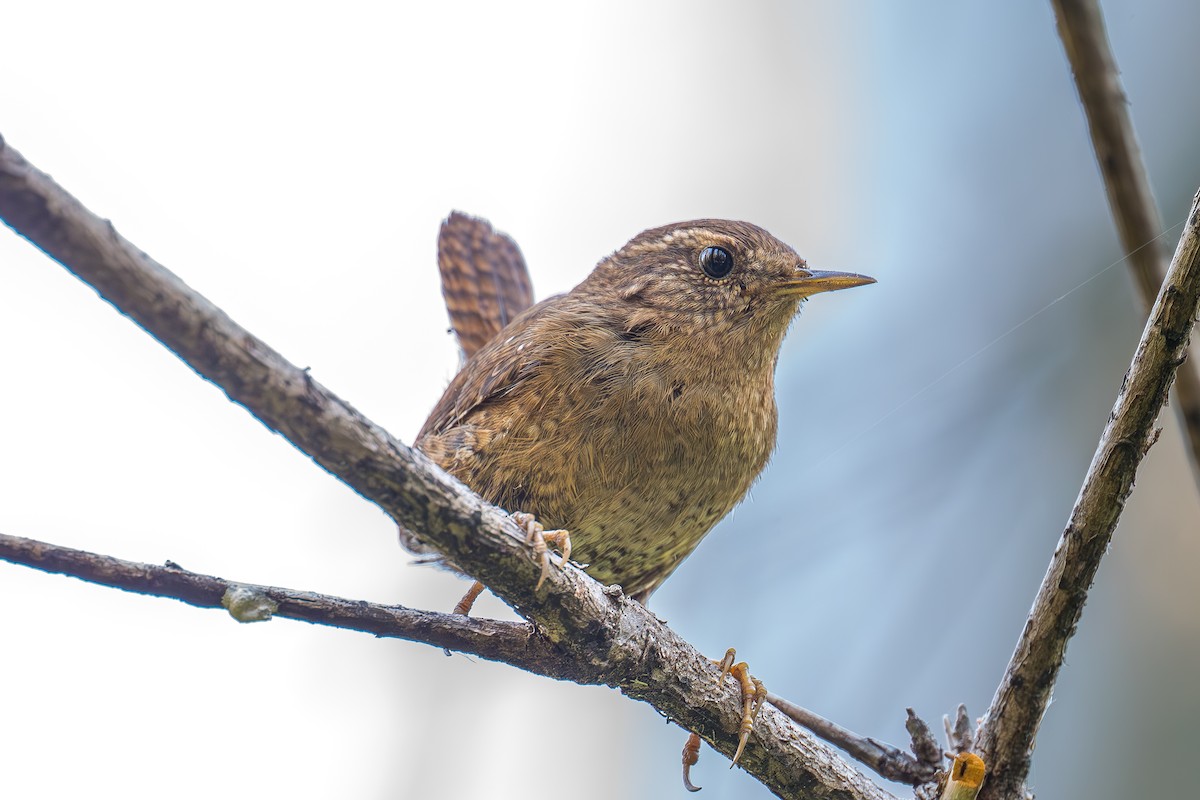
619, 421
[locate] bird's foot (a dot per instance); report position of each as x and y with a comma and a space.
539, 537
535, 535
754, 694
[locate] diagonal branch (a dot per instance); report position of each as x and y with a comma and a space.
1081, 28
513, 643
1008, 729
627, 646
888, 760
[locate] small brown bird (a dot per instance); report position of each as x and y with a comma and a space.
635, 410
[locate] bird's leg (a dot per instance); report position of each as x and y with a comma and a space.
538, 536
753, 696
535, 535
464, 605
468, 599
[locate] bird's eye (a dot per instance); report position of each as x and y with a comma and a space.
716, 262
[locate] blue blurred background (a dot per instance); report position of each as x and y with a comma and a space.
292, 162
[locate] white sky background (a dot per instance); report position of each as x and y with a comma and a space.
292, 163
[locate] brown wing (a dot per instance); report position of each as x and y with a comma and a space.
484, 279
499, 368
451, 436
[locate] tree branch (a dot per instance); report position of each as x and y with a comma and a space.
1007, 732
888, 760
1081, 28
626, 646
511, 642
516, 644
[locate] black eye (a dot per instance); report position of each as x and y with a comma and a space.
716, 262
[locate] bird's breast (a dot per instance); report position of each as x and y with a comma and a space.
638, 450
654, 456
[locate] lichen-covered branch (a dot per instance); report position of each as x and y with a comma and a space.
625, 645
1081, 28
1007, 732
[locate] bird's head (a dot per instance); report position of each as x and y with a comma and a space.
711, 278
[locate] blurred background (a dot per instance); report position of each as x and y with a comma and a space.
292, 163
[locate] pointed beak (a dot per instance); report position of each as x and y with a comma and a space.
811, 281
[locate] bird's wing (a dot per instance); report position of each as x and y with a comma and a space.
500, 367
484, 279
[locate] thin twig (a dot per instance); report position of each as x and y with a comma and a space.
1081, 28
511, 642
924, 744
624, 643
959, 733
888, 760
1007, 731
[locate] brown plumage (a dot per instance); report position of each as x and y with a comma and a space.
637, 409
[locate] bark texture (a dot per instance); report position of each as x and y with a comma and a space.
1126, 182
1007, 732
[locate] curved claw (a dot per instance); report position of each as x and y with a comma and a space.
753, 696
561, 539
541, 553
691, 754
536, 536
726, 664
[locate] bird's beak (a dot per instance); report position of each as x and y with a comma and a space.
811, 281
